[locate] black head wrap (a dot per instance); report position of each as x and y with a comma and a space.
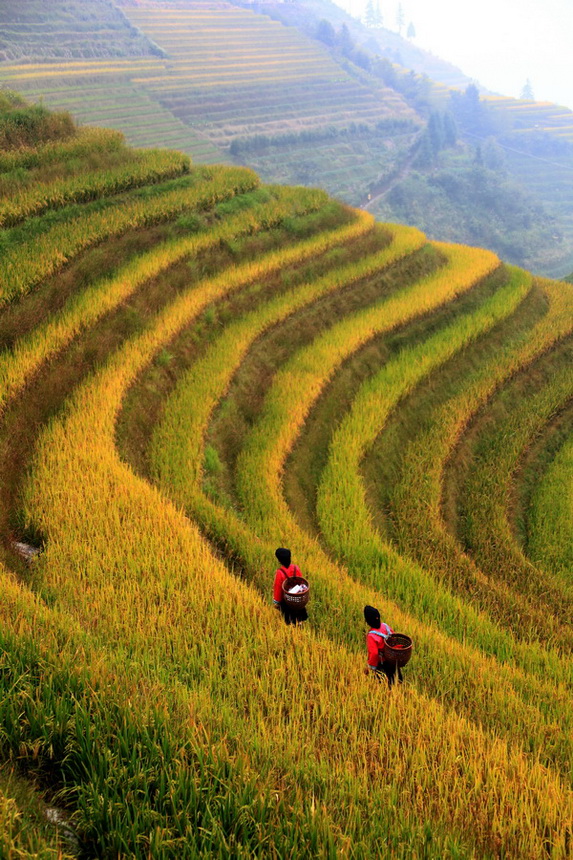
372, 616
283, 556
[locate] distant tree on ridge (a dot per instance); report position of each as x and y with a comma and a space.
344, 40
400, 18
527, 91
372, 15
325, 32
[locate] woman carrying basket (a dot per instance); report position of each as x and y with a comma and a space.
375, 642
291, 614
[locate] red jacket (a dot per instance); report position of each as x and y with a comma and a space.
375, 639
281, 574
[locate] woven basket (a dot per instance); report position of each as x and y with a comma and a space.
295, 600
398, 648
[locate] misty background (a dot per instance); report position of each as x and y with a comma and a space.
500, 43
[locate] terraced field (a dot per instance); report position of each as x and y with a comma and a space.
239, 73
197, 368
530, 115
214, 73
73, 29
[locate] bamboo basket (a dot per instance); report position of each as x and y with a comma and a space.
398, 648
297, 601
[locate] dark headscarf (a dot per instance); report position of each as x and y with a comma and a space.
372, 617
283, 556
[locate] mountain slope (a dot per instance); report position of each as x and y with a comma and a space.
196, 367
226, 83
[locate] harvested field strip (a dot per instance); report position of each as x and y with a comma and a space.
103, 113
226, 50
256, 26
165, 577
81, 64
550, 522
543, 390
219, 20
176, 81
343, 118
243, 49
27, 263
211, 50
416, 521
138, 169
96, 94
254, 62
210, 53
65, 71
285, 99
21, 362
178, 453
226, 101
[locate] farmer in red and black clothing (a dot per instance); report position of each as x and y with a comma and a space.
290, 614
375, 641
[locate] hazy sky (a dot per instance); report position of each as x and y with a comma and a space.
500, 43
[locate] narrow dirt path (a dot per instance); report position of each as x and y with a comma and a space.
382, 188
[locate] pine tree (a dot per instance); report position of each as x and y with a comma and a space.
325, 32
436, 132
344, 40
411, 31
493, 155
370, 15
527, 91
425, 156
400, 19
450, 129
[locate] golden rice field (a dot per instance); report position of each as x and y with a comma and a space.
196, 368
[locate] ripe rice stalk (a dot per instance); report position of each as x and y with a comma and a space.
23, 266
550, 522
141, 169
342, 510
85, 141
177, 452
421, 530
84, 309
491, 475
148, 581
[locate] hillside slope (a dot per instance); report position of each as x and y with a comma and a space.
227, 83
74, 29
196, 368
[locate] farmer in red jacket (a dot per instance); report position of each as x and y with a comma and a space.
290, 614
375, 641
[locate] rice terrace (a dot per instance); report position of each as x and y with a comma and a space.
198, 367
